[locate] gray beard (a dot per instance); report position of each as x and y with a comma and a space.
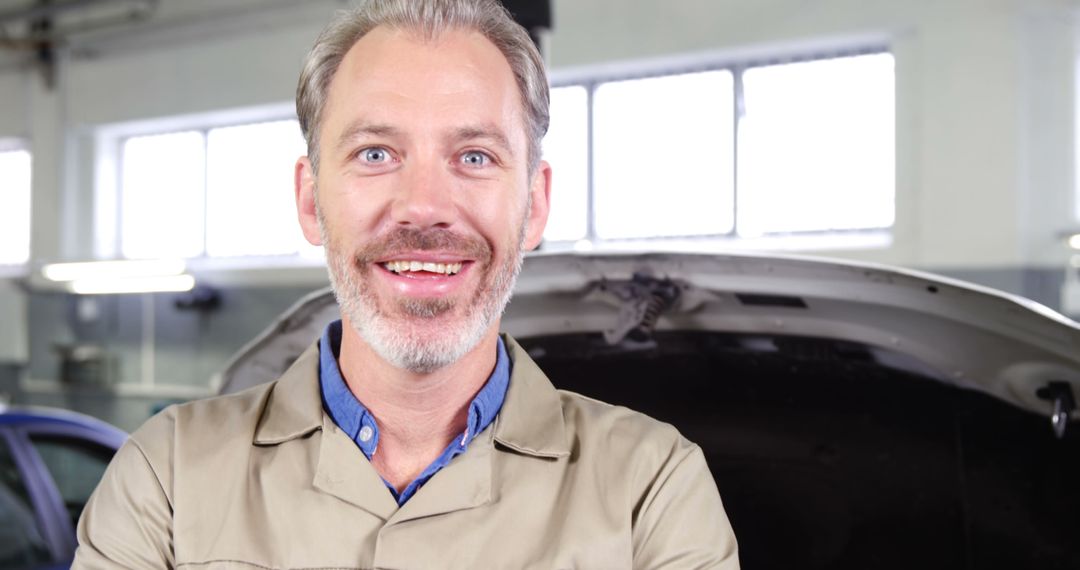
395, 333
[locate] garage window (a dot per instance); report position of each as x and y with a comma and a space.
15, 215
797, 147
816, 146
162, 196
776, 148
654, 158
566, 148
218, 192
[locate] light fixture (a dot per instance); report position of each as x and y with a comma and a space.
1074, 241
125, 276
113, 269
102, 286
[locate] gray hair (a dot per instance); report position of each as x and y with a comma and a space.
428, 18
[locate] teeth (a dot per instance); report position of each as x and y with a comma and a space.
431, 267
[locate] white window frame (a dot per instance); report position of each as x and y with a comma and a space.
109, 141
591, 78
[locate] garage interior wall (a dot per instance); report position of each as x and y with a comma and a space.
985, 147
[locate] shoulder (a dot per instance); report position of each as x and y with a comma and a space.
605, 432
211, 416
291, 404
219, 423
591, 413
622, 434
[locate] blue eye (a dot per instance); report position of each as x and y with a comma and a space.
475, 158
374, 155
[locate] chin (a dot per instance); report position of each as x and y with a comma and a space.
422, 345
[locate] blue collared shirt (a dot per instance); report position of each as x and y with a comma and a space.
357, 422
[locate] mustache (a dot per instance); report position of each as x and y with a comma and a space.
404, 240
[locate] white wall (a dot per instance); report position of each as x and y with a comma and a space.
985, 97
14, 345
13, 104
1048, 167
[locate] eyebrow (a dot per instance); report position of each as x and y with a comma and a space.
361, 128
489, 132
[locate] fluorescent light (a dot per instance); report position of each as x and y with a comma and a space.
104, 286
1074, 241
113, 269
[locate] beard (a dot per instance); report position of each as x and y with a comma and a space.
421, 335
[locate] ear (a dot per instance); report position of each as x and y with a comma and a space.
540, 190
304, 184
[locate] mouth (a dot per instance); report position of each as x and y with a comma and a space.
415, 268
421, 276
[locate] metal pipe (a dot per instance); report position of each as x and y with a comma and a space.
45, 10
33, 40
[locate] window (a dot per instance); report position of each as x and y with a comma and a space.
162, 195
76, 467
735, 151
739, 151
21, 542
249, 188
663, 156
566, 147
821, 160
218, 192
15, 215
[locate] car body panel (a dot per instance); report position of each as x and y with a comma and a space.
958, 333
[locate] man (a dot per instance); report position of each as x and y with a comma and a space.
413, 435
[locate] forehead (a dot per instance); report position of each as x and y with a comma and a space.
399, 77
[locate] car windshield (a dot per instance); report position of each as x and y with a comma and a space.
21, 543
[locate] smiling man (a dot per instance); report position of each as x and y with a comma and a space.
413, 435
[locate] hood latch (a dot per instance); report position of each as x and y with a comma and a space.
1061, 395
642, 300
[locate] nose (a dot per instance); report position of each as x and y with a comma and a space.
425, 196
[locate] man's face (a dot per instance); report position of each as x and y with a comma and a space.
423, 193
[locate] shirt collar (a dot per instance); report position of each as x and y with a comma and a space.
487, 403
531, 421
359, 424
338, 401
291, 406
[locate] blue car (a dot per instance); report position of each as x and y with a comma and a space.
50, 462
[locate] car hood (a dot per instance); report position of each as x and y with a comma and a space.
954, 332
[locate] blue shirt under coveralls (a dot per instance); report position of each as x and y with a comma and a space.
357, 422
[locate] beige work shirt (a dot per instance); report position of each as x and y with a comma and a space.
265, 479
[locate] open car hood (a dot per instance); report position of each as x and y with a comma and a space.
954, 332
860, 416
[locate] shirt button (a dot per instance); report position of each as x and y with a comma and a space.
365, 434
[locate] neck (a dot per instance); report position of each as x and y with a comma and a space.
418, 414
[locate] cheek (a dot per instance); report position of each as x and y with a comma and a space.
350, 212
499, 225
